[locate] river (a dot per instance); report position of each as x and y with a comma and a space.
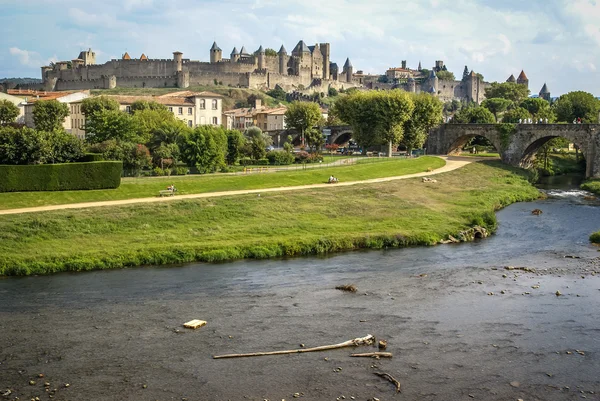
117, 335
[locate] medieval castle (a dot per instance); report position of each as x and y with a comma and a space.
307, 69
308, 66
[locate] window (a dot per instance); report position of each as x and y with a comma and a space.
190, 123
171, 109
180, 111
214, 104
202, 104
189, 111
128, 109
265, 125
215, 121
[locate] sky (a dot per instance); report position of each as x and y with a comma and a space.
553, 41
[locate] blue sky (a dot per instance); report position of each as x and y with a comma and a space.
554, 41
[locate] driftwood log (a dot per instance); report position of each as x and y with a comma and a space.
368, 340
389, 378
374, 355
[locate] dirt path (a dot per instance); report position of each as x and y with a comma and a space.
452, 163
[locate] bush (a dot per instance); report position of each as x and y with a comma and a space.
92, 157
61, 177
595, 237
262, 162
180, 171
280, 158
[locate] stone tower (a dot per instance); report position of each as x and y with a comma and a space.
348, 70
412, 85
178, 59
511, 79
216, 54
88, 57
439, 65
282, 60
523, 80
474, 90
262, 62
433, 81
545, 93
235, 55
326, 52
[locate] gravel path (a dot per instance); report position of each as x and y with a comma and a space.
452, 163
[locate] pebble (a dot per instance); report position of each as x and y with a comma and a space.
502, 292
67, 384
515, 384
558, 293
535, 287
32, 382
490, 293
144, 386
296, 395
504, 276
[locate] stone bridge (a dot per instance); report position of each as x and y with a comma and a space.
517, 145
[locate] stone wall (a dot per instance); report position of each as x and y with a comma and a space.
147, 82
227, 78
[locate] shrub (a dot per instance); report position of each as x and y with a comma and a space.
61, 177
262, 162
280, 157
158, 171
301, 157
180, 171
595, 237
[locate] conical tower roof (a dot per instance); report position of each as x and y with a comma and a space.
544, 89
126, 56
215, 47
522, 76
301, 48
260, 49
235, 51
511, 78
282, 50
419, 68
243, 51
432, 74
143, 57
347, 63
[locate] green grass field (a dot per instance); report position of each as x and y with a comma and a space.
150, 186
468, 154
390, 214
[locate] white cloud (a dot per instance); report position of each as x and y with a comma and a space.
130, 5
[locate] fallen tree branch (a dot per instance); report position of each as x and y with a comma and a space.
374, 355
368, 340
389, 378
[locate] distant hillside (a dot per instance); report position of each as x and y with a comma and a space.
232, 97
19, 81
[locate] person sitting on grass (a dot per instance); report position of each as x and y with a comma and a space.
331, 178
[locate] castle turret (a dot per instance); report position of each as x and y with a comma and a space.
178, 59
545, 93
262, 62
419, 68
511, 79
45, 70
76, 63
523, 80
301, 50
404, 64
433, 80
216, 54
412, 85
439, 65
474, 88
282, 60
326, 52
88, 57
348, 70
235, 55
244, 53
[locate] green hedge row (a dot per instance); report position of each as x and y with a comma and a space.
60, 177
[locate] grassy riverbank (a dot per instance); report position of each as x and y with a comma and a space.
390, 214
148, 187
592, 186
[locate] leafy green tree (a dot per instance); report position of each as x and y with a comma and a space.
474, 115
139, 105
166, 133
22, 146
516, 114
496, 105
465, 72
147, 121
110, 124
205, 148
8, 112
303, 116
534, 105
574, 105
383, 79
452, 107
507, 90
314, 139
288, 146
166, 155
96, 104
332, 92
49, 115
446, 76
277, 93
426, 115
257, 142
63, 147
235, 145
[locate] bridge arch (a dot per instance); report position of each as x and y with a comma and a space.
536, 143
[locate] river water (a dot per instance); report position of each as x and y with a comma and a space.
459, 324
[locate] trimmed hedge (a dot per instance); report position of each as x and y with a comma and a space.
60, 177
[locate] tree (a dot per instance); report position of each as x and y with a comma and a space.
426, 115
235, 145
49, 115
288, 146
147, 105
110, 124
303, 116
96, 104
507, 90
257, 142
332, 91
445, 75
63, 147
516, 115
166, 133
465, 73
204, 148
496, 105
148, 120
8, 112
474, 115
314, 139
383, 79
574, 105
22, 146
277, 93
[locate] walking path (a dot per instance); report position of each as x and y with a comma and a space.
452, 163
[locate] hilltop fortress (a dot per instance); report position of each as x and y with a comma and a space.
306, 66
